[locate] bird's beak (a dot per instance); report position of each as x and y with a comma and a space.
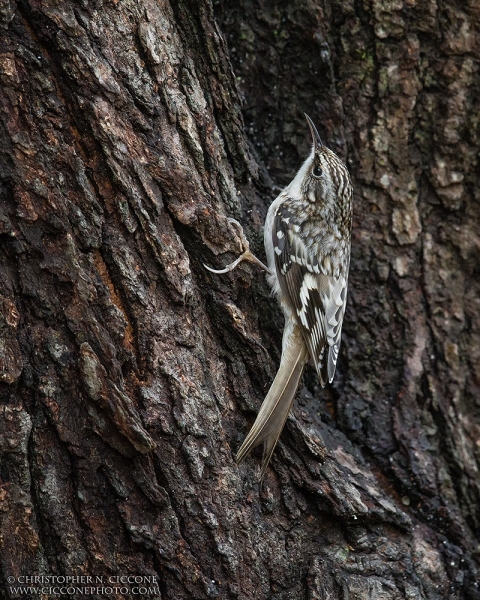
317, 140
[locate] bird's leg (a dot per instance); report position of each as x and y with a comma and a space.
246, 255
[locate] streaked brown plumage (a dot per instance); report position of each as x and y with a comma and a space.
307, 242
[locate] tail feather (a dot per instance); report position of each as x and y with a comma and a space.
276, 406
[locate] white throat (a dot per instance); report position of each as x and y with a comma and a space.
294, 190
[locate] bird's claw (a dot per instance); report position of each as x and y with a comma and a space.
229, 267
246, 254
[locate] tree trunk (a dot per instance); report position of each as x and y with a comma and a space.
129, 375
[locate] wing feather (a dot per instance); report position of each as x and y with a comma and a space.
317, 299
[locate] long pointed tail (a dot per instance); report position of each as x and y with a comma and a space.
275, 408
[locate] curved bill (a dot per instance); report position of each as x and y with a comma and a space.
317, 140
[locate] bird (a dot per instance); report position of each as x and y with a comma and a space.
307, 238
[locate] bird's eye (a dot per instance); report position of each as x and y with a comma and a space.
317, 171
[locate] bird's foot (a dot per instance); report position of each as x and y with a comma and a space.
246, 255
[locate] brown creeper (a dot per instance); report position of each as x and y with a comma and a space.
307, 242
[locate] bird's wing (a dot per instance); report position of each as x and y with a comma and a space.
316, 299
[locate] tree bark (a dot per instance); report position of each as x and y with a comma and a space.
129, 375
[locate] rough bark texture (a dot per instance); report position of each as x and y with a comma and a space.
129, 375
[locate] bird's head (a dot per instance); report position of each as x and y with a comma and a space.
323, 178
